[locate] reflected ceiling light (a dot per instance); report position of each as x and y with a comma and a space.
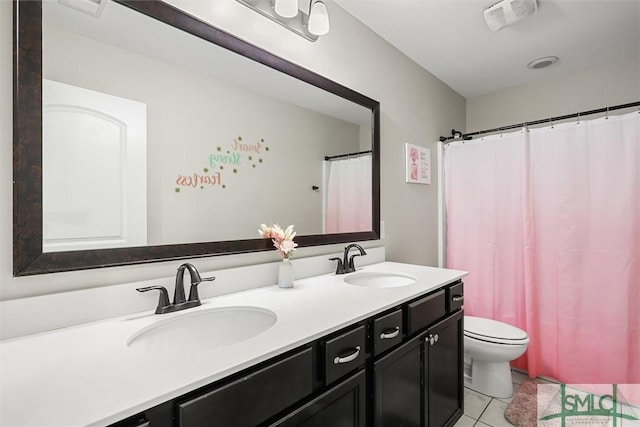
286, 13
91, 7
286, 8
318, 18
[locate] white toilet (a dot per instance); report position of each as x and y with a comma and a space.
489, 346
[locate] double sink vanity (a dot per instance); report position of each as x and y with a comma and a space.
381, 346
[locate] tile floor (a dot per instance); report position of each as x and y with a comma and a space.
485, 411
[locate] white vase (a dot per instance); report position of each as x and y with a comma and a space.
285, 274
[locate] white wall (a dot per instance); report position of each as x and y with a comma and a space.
415, 107
187, 123
593, 88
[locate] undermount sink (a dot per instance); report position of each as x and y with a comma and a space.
203, 330
371, 279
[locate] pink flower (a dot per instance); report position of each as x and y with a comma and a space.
265, 231
413, 154
282, 239
286, 247
277, 233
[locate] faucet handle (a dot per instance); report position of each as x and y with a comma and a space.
340, 266
195, 274
193, 291
163, 300
352, 266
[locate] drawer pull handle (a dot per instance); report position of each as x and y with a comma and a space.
389, 335
457, 298
353, 356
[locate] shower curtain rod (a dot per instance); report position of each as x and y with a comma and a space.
467, 136
340, 156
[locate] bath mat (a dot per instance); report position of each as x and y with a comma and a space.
523, 409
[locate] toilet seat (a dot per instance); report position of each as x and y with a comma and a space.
493, 331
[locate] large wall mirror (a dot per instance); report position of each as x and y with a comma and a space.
143, 134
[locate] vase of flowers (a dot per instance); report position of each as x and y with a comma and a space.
284, 244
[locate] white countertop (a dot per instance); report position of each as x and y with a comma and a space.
86, 375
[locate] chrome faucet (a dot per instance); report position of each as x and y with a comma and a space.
346, 264
179, 300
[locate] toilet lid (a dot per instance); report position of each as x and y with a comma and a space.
492, 330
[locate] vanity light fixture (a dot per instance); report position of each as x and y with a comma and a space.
287, 13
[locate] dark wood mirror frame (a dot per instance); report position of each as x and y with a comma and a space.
28, 257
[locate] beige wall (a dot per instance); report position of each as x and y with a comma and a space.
184, 128
415, 108
597, 87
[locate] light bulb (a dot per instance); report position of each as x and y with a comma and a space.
318, 18
286, 8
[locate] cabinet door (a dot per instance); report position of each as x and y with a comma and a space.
443, 371
342, 406
398, 387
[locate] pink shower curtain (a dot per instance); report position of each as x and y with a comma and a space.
547, 222
348, 196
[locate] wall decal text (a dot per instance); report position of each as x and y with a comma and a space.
238, 152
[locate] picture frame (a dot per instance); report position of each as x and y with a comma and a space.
417, 164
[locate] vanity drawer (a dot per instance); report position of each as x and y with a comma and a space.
425, 311
387, 332
455, 297
253, 398
344, 353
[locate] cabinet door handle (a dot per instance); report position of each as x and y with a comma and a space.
430, 339
457, 298
338, 360
390, 333
435, 337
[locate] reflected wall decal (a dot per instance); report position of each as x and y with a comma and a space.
214, 174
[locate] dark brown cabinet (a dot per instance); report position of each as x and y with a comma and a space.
398, 387
425, 311
343, 353
420, 384
344, 405
387, 331
443, 365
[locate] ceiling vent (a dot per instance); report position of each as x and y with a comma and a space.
507, 12
91, 7
542, 62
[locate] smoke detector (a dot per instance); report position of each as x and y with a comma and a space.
507, 12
